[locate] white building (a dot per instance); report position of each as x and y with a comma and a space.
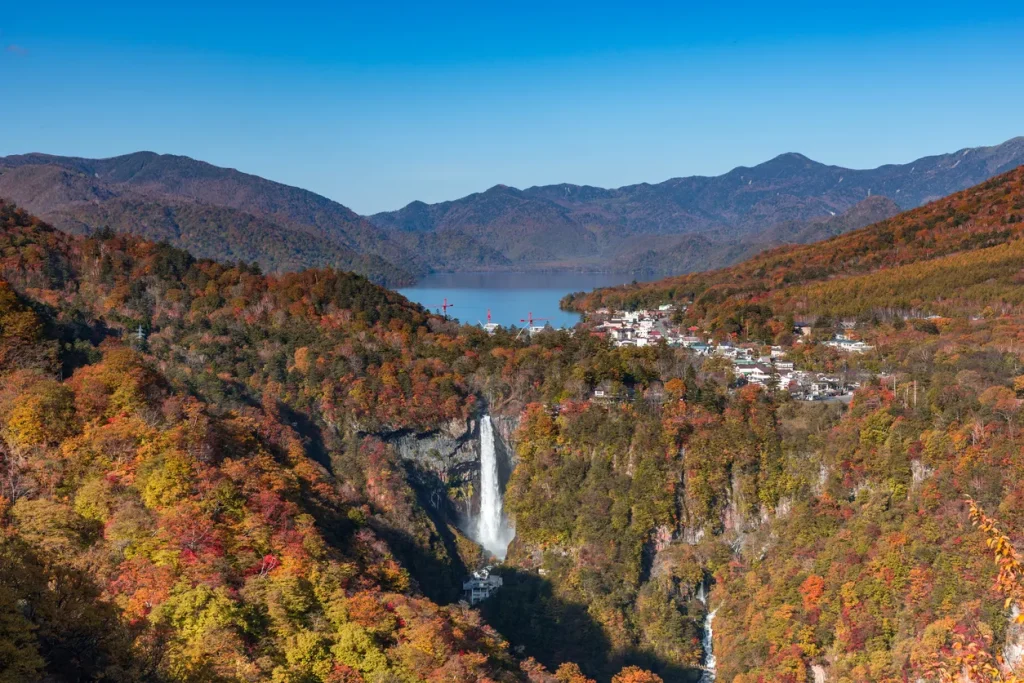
849, 345
481, 585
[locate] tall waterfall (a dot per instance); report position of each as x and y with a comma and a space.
709, 653
492, 529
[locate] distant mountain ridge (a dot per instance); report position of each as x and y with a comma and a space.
956, 256
585, 225
216, 212
680, 225
688, 253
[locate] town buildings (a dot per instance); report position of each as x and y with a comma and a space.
749, 366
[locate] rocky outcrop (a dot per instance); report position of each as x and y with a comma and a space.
444, 464
505, 427
1013, 650
442, 452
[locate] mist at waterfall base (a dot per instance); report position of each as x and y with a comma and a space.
491, 529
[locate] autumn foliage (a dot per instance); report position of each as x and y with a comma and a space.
199, 477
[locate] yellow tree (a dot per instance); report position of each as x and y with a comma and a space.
970, 660
634, 674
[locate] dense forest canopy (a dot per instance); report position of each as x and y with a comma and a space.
201, 480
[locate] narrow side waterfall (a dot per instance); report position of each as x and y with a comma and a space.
492, 529
709, 652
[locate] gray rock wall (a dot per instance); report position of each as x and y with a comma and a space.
444, 465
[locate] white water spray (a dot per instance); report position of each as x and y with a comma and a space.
492, 529
710, 663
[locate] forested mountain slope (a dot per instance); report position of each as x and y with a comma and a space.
229, 496
690, 253
631, 226
849, 555
215, 212
956, 255
199, 476
680, 225
150, 533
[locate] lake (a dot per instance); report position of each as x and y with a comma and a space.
509, 296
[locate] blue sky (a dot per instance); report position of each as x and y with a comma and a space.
378, 106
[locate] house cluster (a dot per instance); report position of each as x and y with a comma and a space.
639, 328
767, 371
649, 327
481, 585
808, 386
843, 342
771, 371
775, 371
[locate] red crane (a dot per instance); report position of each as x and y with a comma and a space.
444, 307
529, 320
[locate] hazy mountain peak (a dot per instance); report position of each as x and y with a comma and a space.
789, 160
500, 188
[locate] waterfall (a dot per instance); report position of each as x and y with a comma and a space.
709, 652
492, 529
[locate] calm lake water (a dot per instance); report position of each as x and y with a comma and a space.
509, 296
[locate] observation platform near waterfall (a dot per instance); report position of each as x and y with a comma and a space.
481, 585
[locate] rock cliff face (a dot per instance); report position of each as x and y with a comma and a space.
1013, 651
505, 428
444, 465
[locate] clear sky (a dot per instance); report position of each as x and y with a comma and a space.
376, 106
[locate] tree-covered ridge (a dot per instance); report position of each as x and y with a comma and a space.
828, 538
213, 212
675, 226
835, 540
148, 536
936, 256
228, 234
195, 463
690, 223
876, 569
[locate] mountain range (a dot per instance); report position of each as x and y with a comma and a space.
680, 225
571, 225
215, 212
961, 256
